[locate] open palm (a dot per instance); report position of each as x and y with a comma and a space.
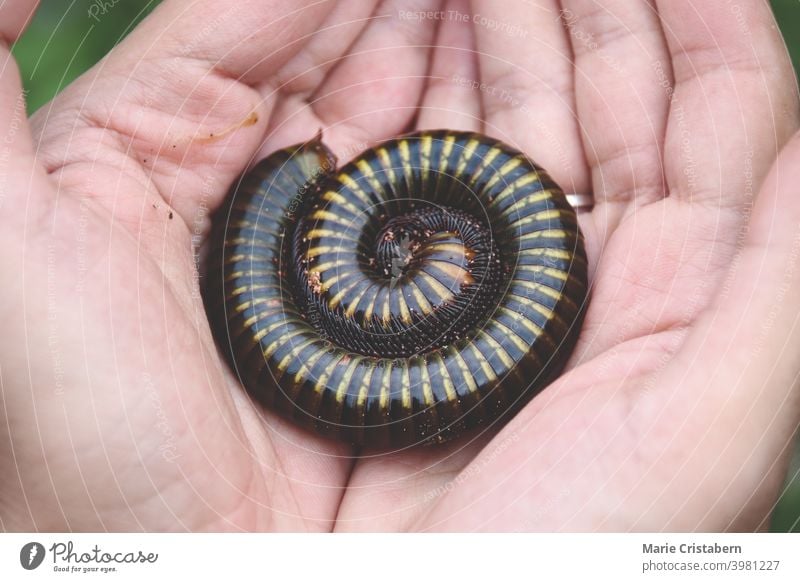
678, 405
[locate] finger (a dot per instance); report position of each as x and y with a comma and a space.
373, 92
15, 138
16, 16
735, 384
620, 60
528, 96
450, 100
304, 73
247, 40
734, 103
170, 112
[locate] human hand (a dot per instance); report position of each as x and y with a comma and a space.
121, 414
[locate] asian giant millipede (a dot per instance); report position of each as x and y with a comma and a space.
426, 288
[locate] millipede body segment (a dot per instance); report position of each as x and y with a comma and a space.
428, 287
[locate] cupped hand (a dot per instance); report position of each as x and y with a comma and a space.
678, 407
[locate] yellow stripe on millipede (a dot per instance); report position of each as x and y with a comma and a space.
250, 273
340, 200
447, 148
458, 274
316, 251
353, 186
332, 216
386, 161
406, 388
369, 174
371, 307
322, 232
465, 373
405, 156
536, 306
305, 367
488, 158
344, 384
251, 242
322, 267
386, 315
363, 391
246, 288
506, 168
441, 290
444, 374
523, 321
427, 391
556, 273
480, 357
504, 356
351, 309
322, 381
425, 156
270, 328
252, 302
276, 287
275, 345
384, 397
405, 314
520, 182
252, 320
336, 299
539, 288
549, 233
326, 285
240, 224
466, 154
538, 217
512, 335
422, 301
528, 200
443, 247
293, 354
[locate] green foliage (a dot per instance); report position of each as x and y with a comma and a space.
66, 38
787, 13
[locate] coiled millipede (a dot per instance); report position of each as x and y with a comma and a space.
430, 286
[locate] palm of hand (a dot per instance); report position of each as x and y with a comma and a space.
164, 436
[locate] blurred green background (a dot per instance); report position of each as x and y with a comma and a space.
64, 40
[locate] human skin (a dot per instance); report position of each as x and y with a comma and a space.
678, 408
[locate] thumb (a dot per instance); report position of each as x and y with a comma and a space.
734, 384
753, 331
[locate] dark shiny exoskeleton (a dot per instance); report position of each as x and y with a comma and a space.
426, 288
